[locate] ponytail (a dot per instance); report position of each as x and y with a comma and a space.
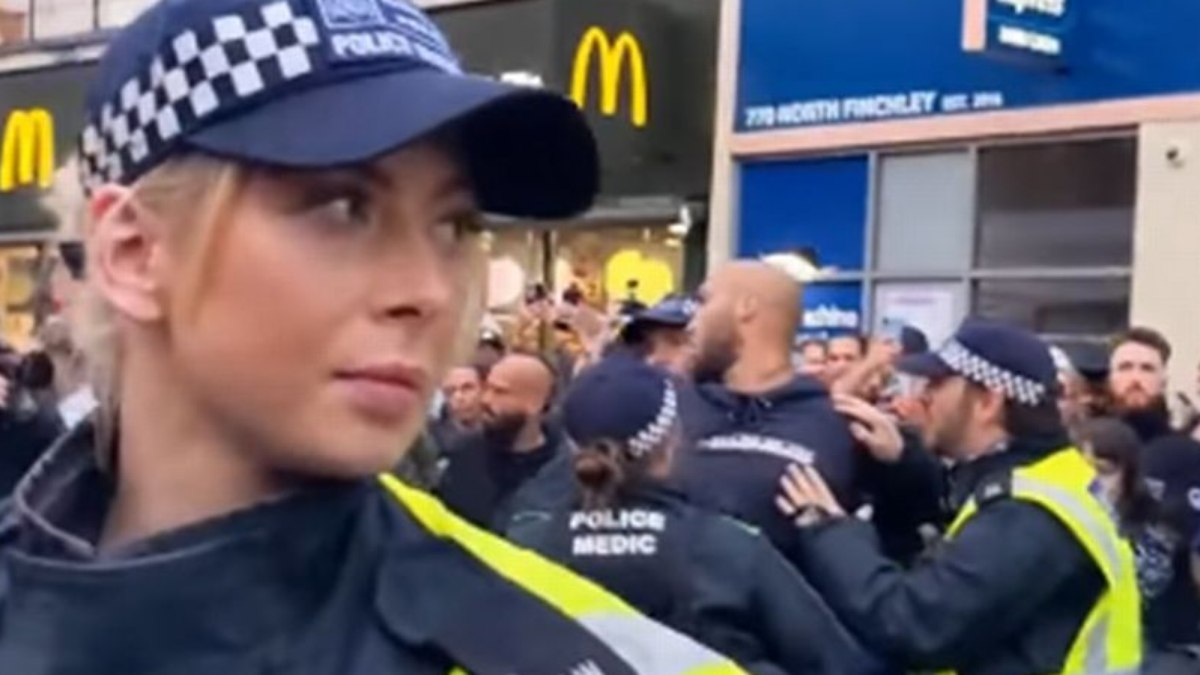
602, 470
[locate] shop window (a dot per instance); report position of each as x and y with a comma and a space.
515, 262
925, 208
14, 21
1091, 307
40, 19
18, 293
816, 207
1063, 204
613, 264
115, 13
936, 308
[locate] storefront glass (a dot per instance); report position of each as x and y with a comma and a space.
19, 265
1038, 233
607, 264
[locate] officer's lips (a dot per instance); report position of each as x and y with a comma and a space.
385, 391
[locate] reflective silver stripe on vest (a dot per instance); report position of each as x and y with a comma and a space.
647, 647
1095, 658
1083, 517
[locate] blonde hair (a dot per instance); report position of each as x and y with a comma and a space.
205, 189
174, 187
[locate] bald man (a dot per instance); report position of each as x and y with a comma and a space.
749, 414
486, 470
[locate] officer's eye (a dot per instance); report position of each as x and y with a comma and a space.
348, 206
452, 230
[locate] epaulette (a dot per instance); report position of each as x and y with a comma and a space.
994, 487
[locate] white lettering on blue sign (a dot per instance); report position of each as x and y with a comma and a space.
850, 109
1029, 40
1054, 8
831, 316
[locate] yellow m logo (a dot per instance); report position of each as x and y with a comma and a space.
27, 153
613, 57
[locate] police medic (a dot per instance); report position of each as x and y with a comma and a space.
704, 574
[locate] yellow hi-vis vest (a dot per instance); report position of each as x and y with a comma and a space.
648, 648
1110, 640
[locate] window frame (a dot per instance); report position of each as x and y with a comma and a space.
870, 277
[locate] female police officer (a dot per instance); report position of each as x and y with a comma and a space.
280, 250
699, 572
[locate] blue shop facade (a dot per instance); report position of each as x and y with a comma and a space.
938, 159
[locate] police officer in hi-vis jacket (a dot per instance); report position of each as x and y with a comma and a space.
1033, 576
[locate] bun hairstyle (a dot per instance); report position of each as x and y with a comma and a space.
622, 416
603, 469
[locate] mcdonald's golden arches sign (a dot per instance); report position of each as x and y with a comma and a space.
27, 150
616, 56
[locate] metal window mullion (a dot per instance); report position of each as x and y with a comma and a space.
1050, 273
968, 287
870, 235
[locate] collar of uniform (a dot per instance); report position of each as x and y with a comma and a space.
65, 482
967, 478
216, 591
59, 508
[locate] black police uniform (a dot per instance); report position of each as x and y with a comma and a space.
1007, 596
22, 441
703, 574
342, 578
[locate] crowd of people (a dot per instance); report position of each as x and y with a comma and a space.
792, 504
896, 435
231, 459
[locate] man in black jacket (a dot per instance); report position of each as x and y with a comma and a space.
1030, 556
486, 471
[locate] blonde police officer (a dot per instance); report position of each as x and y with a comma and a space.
281, 250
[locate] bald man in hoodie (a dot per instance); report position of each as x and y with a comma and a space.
749, 415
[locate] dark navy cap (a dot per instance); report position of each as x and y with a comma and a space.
995, 355
674, 310
913, 341
1171, 469
323, 83
621, 400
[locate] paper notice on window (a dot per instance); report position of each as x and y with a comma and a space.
933, 308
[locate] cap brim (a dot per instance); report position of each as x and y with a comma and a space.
650, 318
529, 153
928, 365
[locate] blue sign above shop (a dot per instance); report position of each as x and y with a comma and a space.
844, 61
816, 208
832, 309
1029, 32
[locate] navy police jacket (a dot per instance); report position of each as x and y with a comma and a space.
702, 574
366, 578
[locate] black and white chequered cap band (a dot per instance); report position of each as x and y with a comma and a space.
970, 365
650, 438
233, 59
